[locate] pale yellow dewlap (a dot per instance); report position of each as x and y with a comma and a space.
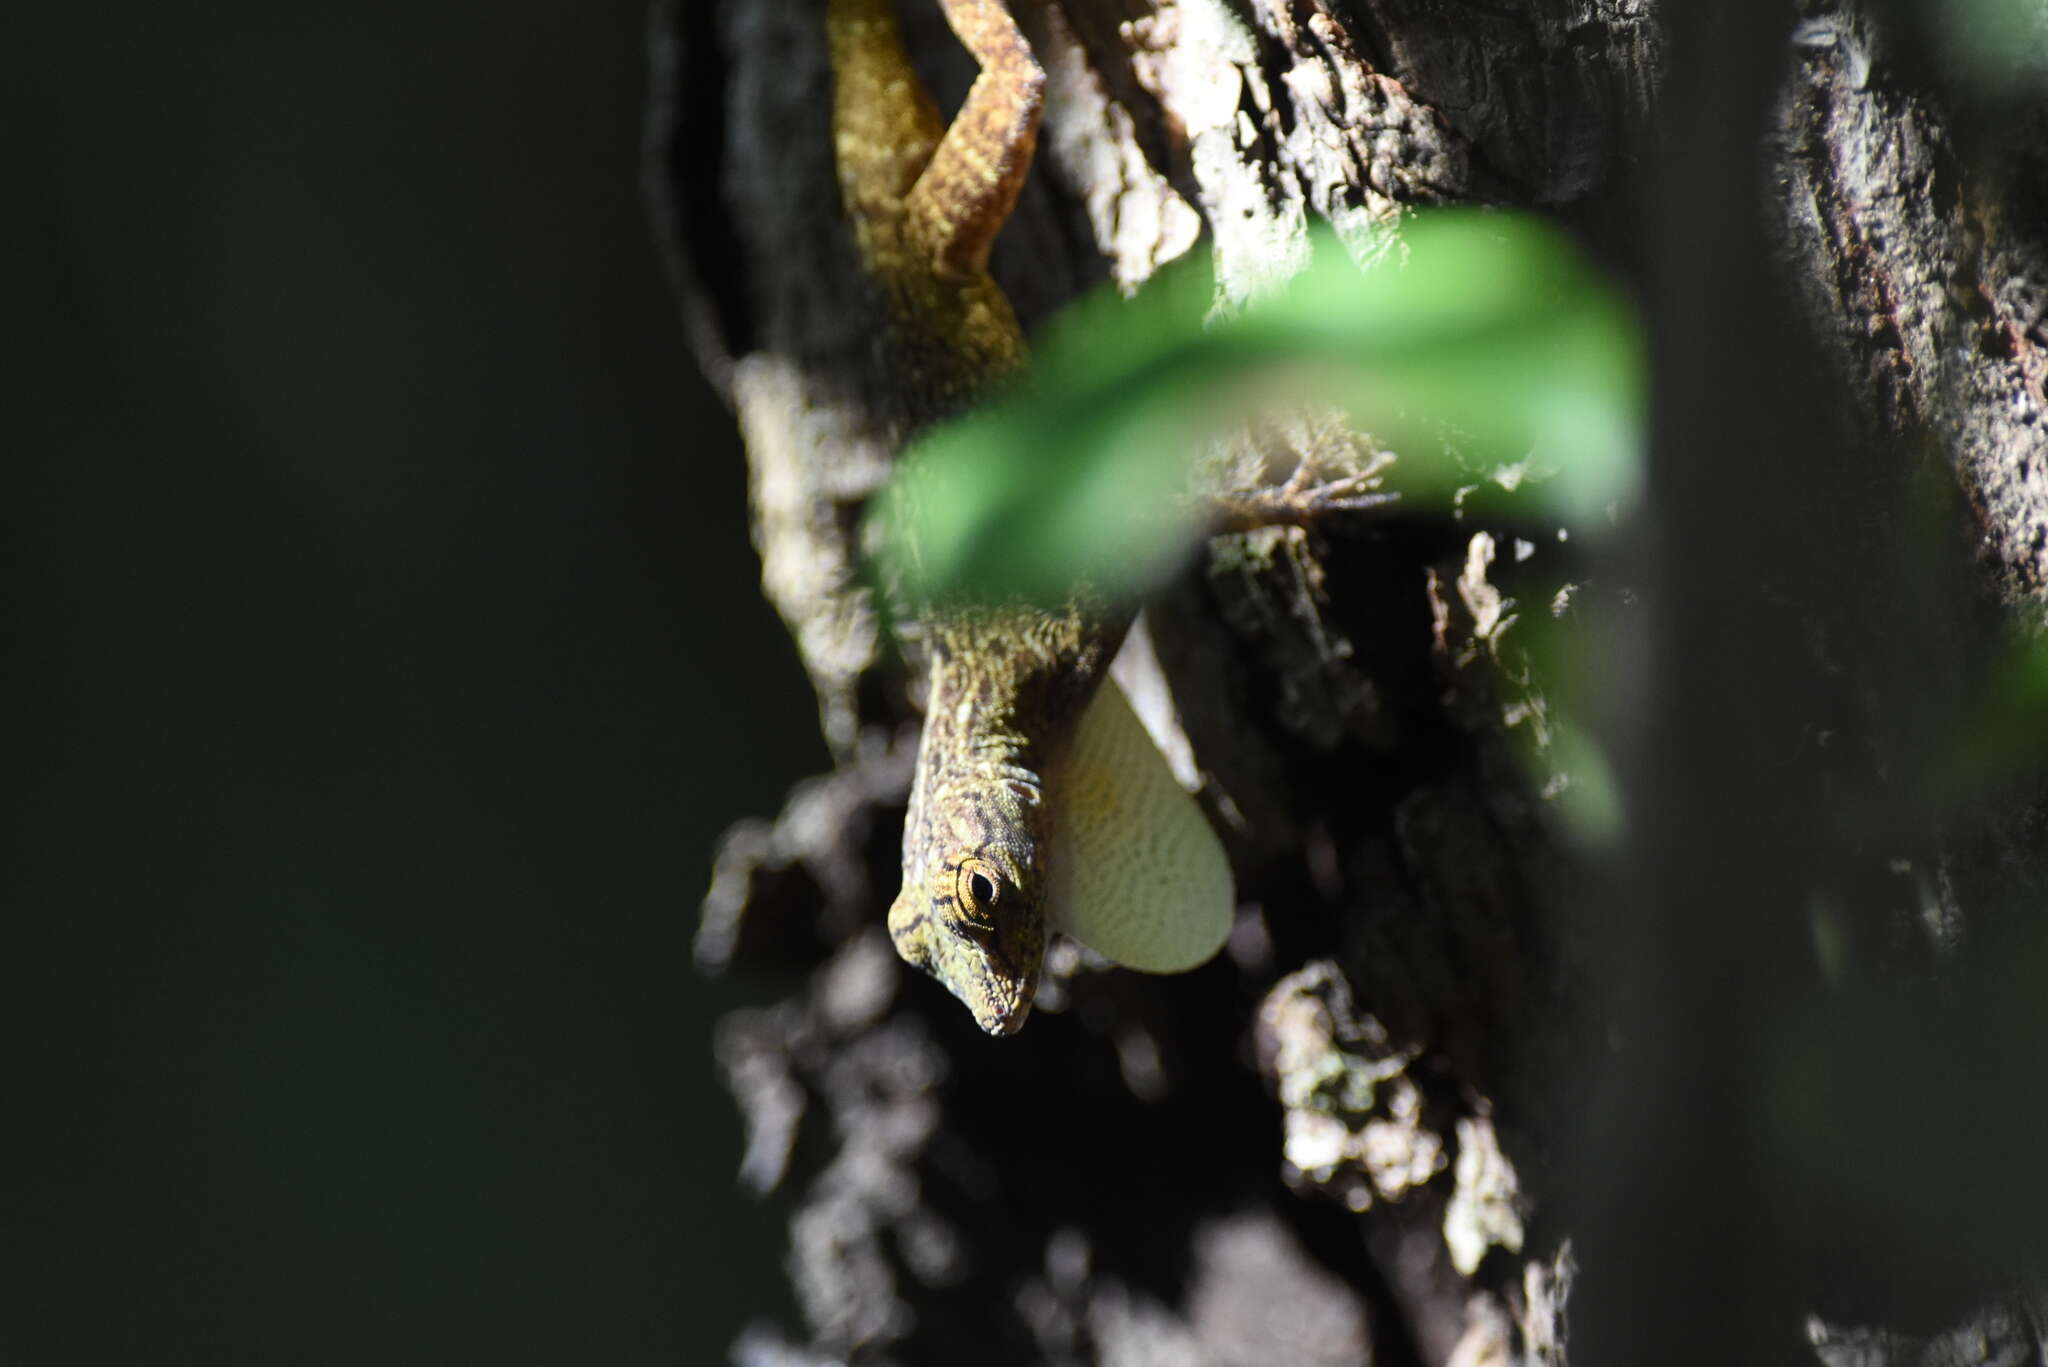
1136, 873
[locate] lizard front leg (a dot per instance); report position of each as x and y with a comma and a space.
1301, 501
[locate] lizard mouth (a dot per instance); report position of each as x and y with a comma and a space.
1006, 1002
1007, 1020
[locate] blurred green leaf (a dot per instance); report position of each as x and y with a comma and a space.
1487, 343
1587, 795
2000, 44
2006, 734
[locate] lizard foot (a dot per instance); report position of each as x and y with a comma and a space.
1302, 500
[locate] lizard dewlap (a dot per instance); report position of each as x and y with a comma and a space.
1136, 873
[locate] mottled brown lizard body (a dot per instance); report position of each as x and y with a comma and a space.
1008, 684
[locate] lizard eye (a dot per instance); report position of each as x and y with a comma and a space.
977, 887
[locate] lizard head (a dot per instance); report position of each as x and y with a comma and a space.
1009, 683
972, 909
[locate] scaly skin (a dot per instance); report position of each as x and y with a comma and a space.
1007, 690
1008, 684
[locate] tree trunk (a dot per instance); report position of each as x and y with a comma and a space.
1455, 1073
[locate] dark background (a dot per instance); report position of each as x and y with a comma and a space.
388, 655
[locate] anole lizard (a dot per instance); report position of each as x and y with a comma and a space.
1039, 801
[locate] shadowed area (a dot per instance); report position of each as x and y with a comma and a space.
388, 656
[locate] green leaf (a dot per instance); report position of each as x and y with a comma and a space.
1485, 342
2000, 45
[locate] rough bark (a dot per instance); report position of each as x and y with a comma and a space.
1349, 1139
